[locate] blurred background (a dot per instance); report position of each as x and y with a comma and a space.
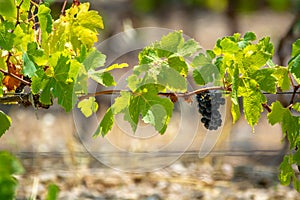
48, 141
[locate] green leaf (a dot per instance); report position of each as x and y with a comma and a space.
296, 106
53, 191
294, 65
104, 78
179, 64
45, 21
5, 123
29, 68
296, 48
265, 79
6, 35
283, 81
106, 124
252, 101
286, 171
229, 46
61, 83
94, 60
235, 112
121, 103
235, 86
88, 106
8, 8
249, 36
172, 42
8, 186
277, 113
171, 79
189, 48
9, 164
153, 109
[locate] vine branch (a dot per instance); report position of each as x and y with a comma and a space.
15, 77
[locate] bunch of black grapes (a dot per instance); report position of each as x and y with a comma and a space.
209, 104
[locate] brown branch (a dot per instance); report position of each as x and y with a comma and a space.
267, 107
294, 93
15, 77
18, 13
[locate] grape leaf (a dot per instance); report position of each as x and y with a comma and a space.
94, 60
235, 86
252, 101
121, 103
158, 74
36, 54
179, 64
29, 68
282, 77
8, 8
265, 79
45, 21
189, 48
154, 109
296, 106
294, 66
277, 113
172, 42
6, 35
291, 126
104, 78
5, 123
286, 171
106, 123
88, 106
61, 84
249, 36
296, 48
205, 71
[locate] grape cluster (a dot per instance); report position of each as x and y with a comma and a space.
209, 103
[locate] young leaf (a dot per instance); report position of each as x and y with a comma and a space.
88, 106
249, 36
106, 124
5, 123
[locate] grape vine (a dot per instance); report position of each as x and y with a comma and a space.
56, 58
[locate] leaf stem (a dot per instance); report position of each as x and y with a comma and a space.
62, 12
